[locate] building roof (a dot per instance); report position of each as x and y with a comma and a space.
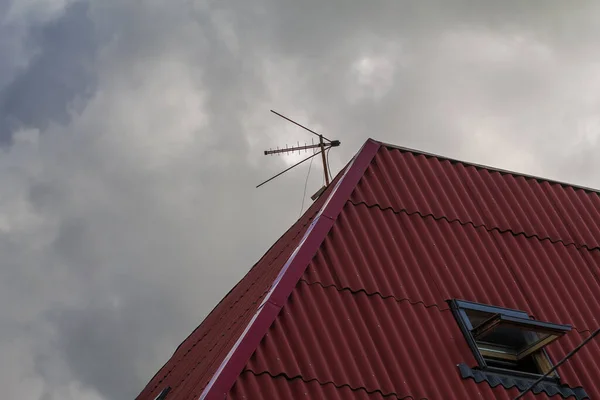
352, 302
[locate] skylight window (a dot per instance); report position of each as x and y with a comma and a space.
505, 340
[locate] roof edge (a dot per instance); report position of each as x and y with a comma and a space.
218, 304
482, 166
232, 365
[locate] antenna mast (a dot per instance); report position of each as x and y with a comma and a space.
323, 145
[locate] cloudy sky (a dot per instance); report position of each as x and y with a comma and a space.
131, 139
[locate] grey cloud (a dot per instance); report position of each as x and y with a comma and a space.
127, 199
47, 89
101, 342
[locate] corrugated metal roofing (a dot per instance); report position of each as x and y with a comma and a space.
198, 357
430, 260
359, 310
349, 324
414, 182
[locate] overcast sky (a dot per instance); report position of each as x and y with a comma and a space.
131, 139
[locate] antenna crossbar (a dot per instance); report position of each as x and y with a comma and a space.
293, 149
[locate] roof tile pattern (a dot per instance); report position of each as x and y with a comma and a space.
347, 326
370, 313
267, 387
368, 318
314, 336
444, 188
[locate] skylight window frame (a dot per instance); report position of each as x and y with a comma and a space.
554, 332
460, 307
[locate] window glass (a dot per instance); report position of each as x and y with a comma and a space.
506, 338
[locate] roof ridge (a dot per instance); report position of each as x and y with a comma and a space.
337, 386
489, 168
474, 225
233, 364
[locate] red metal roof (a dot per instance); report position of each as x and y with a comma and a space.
198, 357
358, 308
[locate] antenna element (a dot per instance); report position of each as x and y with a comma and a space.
323, 145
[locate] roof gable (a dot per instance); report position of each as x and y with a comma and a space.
361, 287
199, 356
210, 359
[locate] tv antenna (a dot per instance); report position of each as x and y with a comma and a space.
323, 145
